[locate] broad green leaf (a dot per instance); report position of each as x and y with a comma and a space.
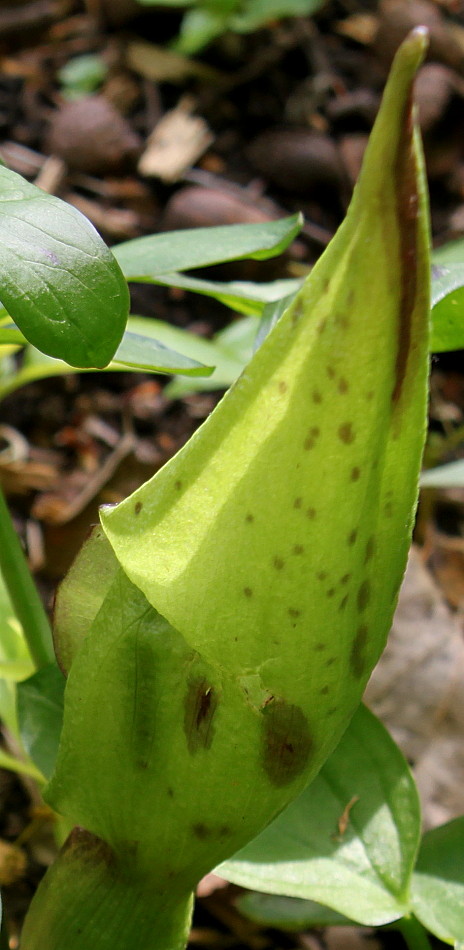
258, 578
251, 542
362, 870
58, 280
40, 715
444, 476
287, 913
438, 882
146, 258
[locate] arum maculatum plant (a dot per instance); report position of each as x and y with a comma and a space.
236, 604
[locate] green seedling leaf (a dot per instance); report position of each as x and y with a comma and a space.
259, 572
82, 75
438, 882
243, 296
287, 913
40, 715
351, 839
444, 476
230, 350
58, 280
141, 352
15, 660
147, 258
146, 341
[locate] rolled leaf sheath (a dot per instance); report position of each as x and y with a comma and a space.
259, 569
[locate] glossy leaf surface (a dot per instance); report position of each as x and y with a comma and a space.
58, 280
146, 258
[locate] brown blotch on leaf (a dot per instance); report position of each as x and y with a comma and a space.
201, 831
278, 563
319, 647
345, 578
345, 433
298, 503
350, 298
343, 386
297, 312
332, 710
293, 612
364, 594
316, 396
355, 474
311, 438
388, 509
324, 690
286, 742
200, 706
283, 386
311, 513
330, 372
344, 602
298, 549
248, 592
330, 661
138, 507
249, 518
82, 845
178, 485
322, 325
321, 576
352, 537
170, 792
357, 659
370, 549
330, 592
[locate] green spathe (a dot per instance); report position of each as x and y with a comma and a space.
258, 570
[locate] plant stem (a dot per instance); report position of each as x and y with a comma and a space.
414, 934
23, 592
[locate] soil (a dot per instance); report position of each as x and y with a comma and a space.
260, 125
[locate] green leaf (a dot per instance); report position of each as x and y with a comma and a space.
142, 352
256, 13
287, 913
40, 715
243, 296
82, 75
147, 341
444, 476
448, 307
79, 597
230, 350
58, 280
273, 563
362, 872
438, 882
14, 764
147, 258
